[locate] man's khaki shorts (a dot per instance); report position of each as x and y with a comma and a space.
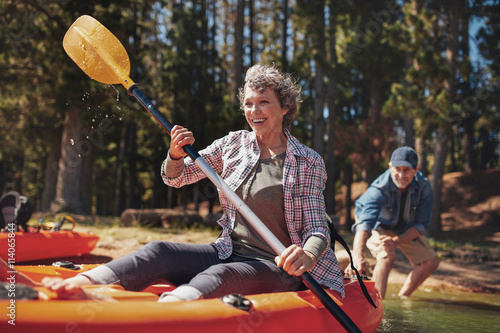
416, 251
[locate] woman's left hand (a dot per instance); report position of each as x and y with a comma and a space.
295, 261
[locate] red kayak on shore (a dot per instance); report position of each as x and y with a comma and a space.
29, 246
128, 311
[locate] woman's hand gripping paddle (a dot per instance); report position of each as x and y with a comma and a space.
102, 57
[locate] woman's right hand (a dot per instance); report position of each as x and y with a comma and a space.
181, 136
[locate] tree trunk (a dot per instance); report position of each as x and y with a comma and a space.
348, 179
159, 217
2, 179
487, 148
86, 182
330, 170
120, 194
52, 169
498, 148
452, 151
252, 30
468, 122
319, 119
375, 96
330, 100
422, 156
409, 132
18, 180
68, 196
408, 123
319, 81
284, 37
371, 171
440, 153
468, 140
238, 50
133, 198
444, 133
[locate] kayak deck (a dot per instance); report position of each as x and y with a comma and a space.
299, 311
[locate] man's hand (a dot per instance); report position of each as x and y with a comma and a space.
388, 243
359, 261
361, 265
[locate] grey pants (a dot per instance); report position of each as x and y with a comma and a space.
197, 267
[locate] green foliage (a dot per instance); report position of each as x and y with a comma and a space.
182, 55
450, 246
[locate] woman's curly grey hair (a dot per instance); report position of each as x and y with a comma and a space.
262, 77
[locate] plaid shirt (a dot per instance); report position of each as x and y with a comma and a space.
304, 177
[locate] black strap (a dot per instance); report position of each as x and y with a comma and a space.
339, 239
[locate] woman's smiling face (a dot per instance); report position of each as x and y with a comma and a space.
263, 111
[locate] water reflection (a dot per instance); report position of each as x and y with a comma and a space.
441, 311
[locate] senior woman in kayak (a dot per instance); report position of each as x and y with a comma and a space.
279, 179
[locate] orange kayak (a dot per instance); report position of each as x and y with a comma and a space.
29, 246
299, 311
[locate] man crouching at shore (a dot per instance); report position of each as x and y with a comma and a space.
395, 212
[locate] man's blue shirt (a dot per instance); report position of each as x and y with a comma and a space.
378, 207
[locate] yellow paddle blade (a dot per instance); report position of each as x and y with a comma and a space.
97, 52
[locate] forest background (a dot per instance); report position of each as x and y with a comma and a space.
375, 75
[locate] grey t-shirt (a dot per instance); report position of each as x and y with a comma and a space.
262, 191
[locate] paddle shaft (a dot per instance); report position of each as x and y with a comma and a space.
102, 50
245, 211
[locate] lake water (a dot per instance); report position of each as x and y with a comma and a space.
440, 311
